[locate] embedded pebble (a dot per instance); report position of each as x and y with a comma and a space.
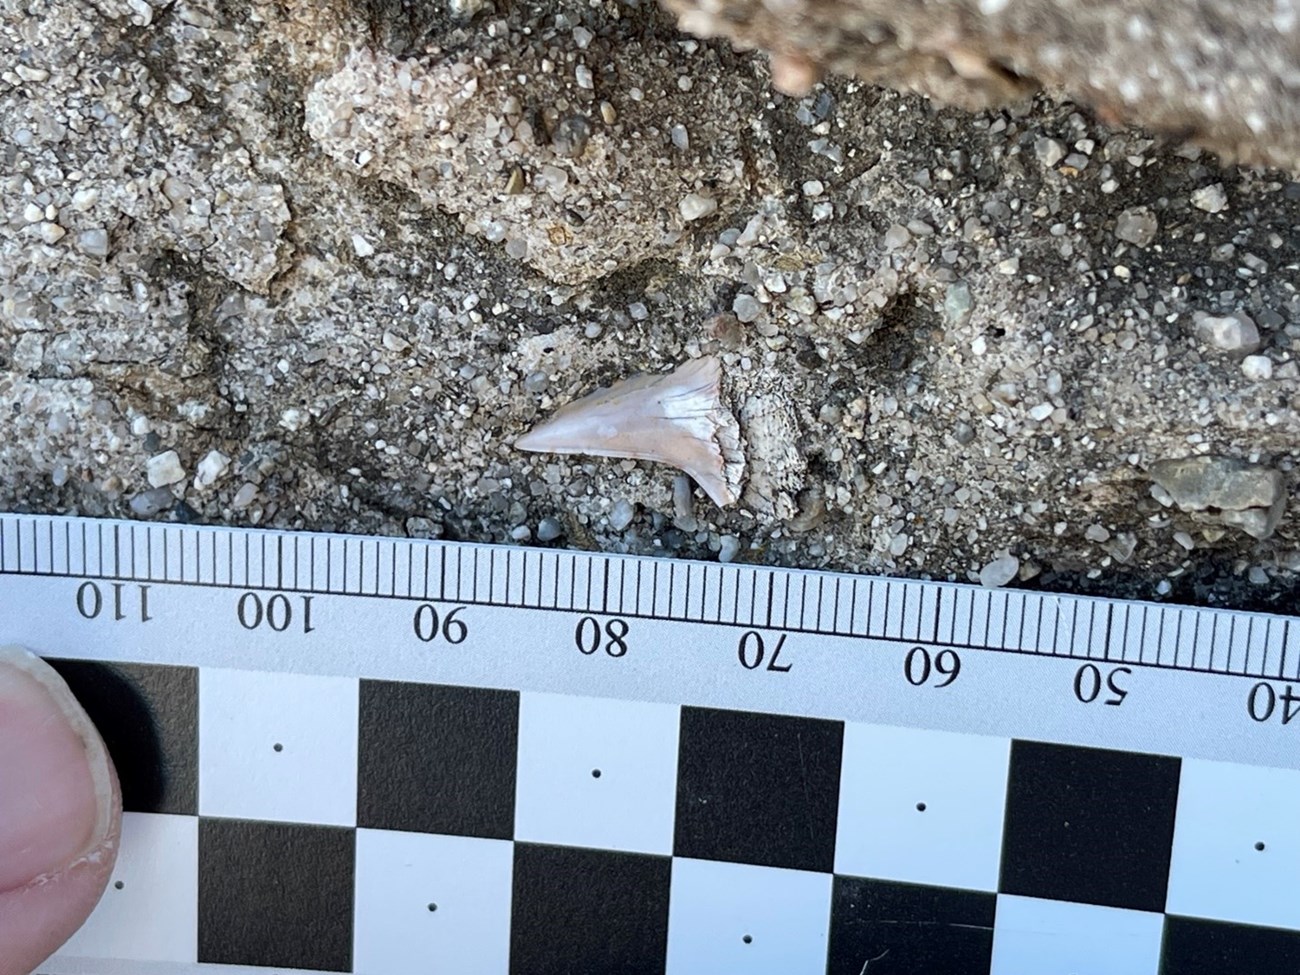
548, 530
149, 503
999, 572
94, 242
1257, 367
1231, 333
572, 133
746, 308
684, 503
621, 515
1049, 151
1211, 199
957, 302
1137, 225
897, 236
244, 496
165, 468
1096, 533
694, 206
210, 468
729, 548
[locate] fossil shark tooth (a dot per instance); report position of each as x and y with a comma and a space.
678, 418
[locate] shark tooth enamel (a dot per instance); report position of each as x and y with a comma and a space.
678, 418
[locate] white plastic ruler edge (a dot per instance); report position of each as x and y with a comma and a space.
1194, 682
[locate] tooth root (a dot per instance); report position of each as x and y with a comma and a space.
678, 418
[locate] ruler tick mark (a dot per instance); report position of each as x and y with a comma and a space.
771, 596
938, 612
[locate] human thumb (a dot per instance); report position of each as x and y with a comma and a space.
60, 813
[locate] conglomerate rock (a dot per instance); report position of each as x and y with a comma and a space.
1224, 73
972, 335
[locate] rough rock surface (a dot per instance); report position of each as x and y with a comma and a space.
975, 333
1223, 72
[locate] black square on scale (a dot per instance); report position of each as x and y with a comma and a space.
588, 912
909, 929
437, 759
1192, 946
147, 715
758, 788
1089, 825
276, 895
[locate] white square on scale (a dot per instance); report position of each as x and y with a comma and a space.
280, 747
1042, 937
921, 806
1236, 850
149, 911
427, 904
597, 773
736, 917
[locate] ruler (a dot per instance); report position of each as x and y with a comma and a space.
388, 755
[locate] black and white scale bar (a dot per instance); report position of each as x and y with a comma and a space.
389, 757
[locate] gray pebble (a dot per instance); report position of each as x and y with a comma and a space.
729, 548
1049, 151
163, 469
1211, 199
684, 503
621, 515
957, 302
1231, 333
999, 572
536, 382
93, 243
571, 135
521, 533
746, 308
693, 206
1137, 225
548, 530
897, 236
148, 503
244, 496
1250, 497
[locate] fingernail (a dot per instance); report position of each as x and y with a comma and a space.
56, 786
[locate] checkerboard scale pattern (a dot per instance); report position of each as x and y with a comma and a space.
323, 824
